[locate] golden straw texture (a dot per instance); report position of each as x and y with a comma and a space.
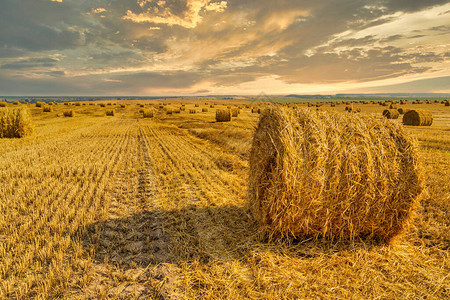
391, 113
334, 176
418, 118
223, 115
15, 123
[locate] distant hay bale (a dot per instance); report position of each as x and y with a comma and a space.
192, 111
16, 103
196, 105
254, 110
391, 113
223, 115
333, 176
15, 123
204, 110
47, 109
211, 106
183, 108
111, 113
418, 118
392, 106
169, 111
102, 105
402, 110
77, 104
235, 112
176, 111
122, 106
447, 103
39, 104
147, 113
69, 113
3, 104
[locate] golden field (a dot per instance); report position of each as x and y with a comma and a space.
123, 207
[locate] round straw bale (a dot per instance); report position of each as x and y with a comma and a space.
147, 113
48, 109
418, 118
330, 175
223, 115
391, 113
402, 110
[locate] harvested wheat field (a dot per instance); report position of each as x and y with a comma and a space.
133, 207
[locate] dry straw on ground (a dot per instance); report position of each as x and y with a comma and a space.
333, 176
391, 113
15, 123
418, 118
223, 115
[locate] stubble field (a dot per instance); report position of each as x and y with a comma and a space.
124, 207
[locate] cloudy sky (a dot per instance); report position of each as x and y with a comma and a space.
199, 47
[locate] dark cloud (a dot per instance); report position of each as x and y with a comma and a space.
38, 25
56, 73
410, 5
30, 63
297, 40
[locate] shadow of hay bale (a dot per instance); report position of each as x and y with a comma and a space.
205, 235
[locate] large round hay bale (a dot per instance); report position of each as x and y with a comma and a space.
147, 113
223, 115
330, 175
47, 108
68, 113
418, 118
391, 113
15, 123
